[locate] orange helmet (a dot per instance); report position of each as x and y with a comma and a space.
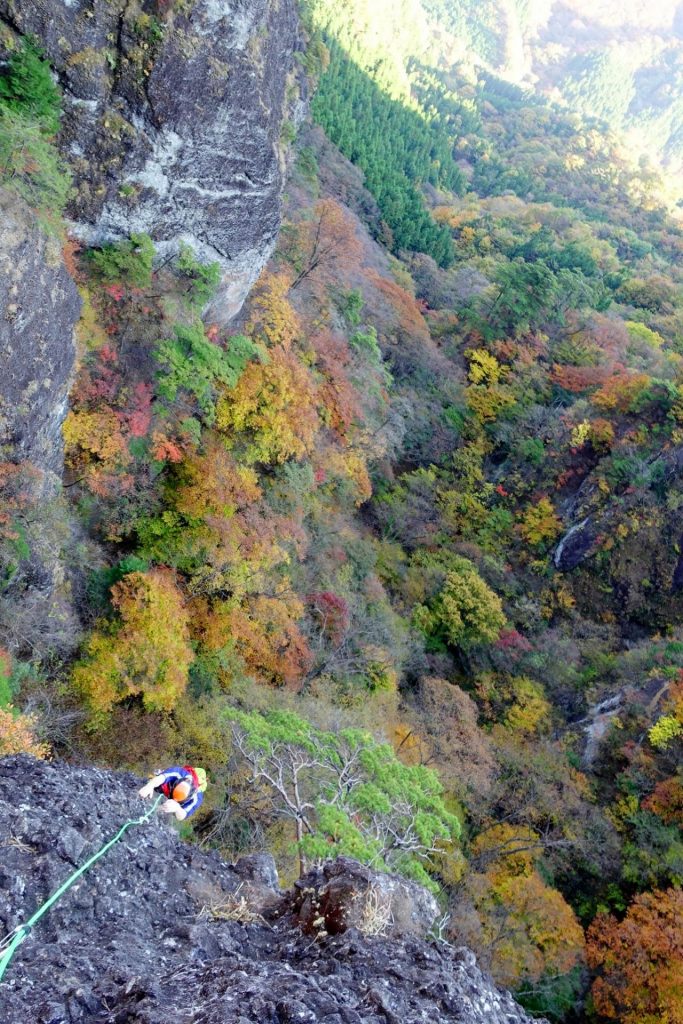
182, 790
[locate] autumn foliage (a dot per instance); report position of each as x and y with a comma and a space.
273, 319
17, 735
320, 242
640, 961
271, 413
527, 927
263, 633
145, 651
352, 508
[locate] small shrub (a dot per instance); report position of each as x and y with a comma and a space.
17, 734
235, 908
129, 260
202, 278
27, 87
367, 344
376, 917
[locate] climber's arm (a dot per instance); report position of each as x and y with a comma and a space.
158, 781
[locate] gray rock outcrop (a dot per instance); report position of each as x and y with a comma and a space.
39, 307
174, 120
161, 932
575, 546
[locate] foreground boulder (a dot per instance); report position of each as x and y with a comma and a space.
344, 894
160, 932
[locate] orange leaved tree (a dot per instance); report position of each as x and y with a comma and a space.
17, 734
523, 929
640, 961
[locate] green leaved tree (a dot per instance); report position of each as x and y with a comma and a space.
346, 793
130, 261
192, 362
200, 279
27, 88
465, 612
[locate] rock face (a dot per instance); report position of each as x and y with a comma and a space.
159, 932
344, 894
174, 116
39, 306
575, 546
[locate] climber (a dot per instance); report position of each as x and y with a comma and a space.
183, 788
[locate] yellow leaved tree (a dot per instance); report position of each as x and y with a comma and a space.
146, 651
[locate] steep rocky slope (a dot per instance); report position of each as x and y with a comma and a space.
174, 121
39, 307
160, 931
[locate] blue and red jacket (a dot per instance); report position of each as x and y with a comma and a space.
172, 776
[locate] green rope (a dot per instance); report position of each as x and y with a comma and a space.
16, 937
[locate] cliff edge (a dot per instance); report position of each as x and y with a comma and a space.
161, 932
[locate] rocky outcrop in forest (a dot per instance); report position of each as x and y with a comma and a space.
175, 123
161, 932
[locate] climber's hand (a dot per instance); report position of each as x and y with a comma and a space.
147, 790
172, 807
181, 814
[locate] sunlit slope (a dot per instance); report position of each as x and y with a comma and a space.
622, 62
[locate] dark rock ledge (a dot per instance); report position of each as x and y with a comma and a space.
161, 932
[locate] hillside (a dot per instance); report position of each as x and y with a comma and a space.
620, 63
615, 63
390, 542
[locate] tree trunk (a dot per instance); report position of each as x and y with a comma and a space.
303, 863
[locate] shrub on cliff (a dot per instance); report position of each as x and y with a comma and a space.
129, 261
27, 87
201, 279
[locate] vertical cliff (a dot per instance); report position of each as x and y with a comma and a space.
39, 306
176, 117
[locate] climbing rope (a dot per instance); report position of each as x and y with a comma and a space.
11, 942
